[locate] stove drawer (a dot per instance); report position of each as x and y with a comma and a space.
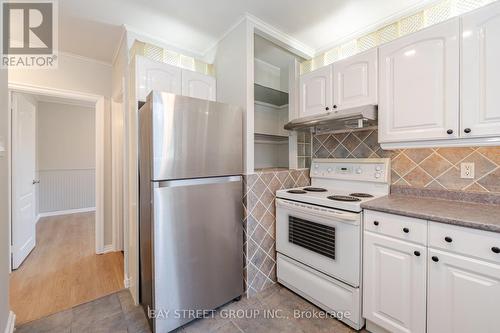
397, 226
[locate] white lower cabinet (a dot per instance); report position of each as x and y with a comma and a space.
394, 283
463, 294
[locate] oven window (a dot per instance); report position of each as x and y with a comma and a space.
313, 236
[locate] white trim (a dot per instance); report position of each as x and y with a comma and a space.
126, 282
83, 58
66, 212
11, 321
99, 109
469, 142
119, 45
107, 249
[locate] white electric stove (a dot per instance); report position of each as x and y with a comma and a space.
319, 233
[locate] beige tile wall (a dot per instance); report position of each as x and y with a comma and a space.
435, 168
260, 224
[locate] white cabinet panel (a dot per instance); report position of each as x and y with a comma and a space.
154, 75
355, 80
394, 279
481, 72
198, 85
316, 92
419, 85
463, 294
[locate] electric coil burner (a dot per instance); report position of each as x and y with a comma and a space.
361, 195
296, 191
315, 189
343, 198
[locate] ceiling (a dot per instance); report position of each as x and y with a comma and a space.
92, 28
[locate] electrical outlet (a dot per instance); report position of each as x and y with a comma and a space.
467, 170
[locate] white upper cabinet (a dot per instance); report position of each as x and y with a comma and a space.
316, 92
481, 72
394, 283
155, 75
463, 294
355, 80
198, 85
419, 85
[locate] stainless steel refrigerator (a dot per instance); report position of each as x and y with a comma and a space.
191, 213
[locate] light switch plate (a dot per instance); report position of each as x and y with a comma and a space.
467, 170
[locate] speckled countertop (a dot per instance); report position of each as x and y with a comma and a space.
473, 214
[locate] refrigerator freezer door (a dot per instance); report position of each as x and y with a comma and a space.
198, 247
195, 138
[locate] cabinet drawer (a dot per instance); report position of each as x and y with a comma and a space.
467, 241
407, 228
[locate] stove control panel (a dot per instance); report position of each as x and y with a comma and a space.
374, 170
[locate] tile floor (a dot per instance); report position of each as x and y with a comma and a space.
116, 313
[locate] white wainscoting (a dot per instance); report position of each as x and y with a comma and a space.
62, 190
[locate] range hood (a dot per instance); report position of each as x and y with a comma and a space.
354, 118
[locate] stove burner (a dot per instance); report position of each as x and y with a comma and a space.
343, 198
361, 195
315, 189
297, 191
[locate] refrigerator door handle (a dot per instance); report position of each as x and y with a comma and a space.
198, 181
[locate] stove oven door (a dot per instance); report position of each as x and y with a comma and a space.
325, 239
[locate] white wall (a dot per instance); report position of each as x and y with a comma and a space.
234, 71
85, 76
4, 211
66, 156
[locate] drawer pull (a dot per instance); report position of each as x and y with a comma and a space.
406, 230
448, 239
495, 249
375, 222
435, 259
417, 253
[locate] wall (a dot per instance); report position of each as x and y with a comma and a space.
66, 156
4, 202
260, 224
85, 76
433, 168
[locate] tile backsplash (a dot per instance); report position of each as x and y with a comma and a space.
260, 223
433, 168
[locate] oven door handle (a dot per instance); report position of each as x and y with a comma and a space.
346, 217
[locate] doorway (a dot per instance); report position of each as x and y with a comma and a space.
57, 206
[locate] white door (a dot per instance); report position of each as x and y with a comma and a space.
419, 85
394, 283
155, 75
23, 178
316, 92
481, 72
463, 294
198, 85
355, 80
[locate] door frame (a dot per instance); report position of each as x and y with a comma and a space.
100, 105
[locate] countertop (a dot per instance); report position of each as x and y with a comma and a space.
467, 214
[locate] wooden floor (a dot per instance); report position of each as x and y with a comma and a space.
63, 269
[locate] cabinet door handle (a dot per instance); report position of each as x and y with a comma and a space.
467, 130
375, 222
335, 106
417, 253
327, 108
448, 239
450, 131
406, 230
435, 259
495, 249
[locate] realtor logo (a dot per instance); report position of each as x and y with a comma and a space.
29, 33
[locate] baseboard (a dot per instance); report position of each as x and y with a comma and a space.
108, 248
126, 282
66, 212
10, 323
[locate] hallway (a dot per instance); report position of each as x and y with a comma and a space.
63, 269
